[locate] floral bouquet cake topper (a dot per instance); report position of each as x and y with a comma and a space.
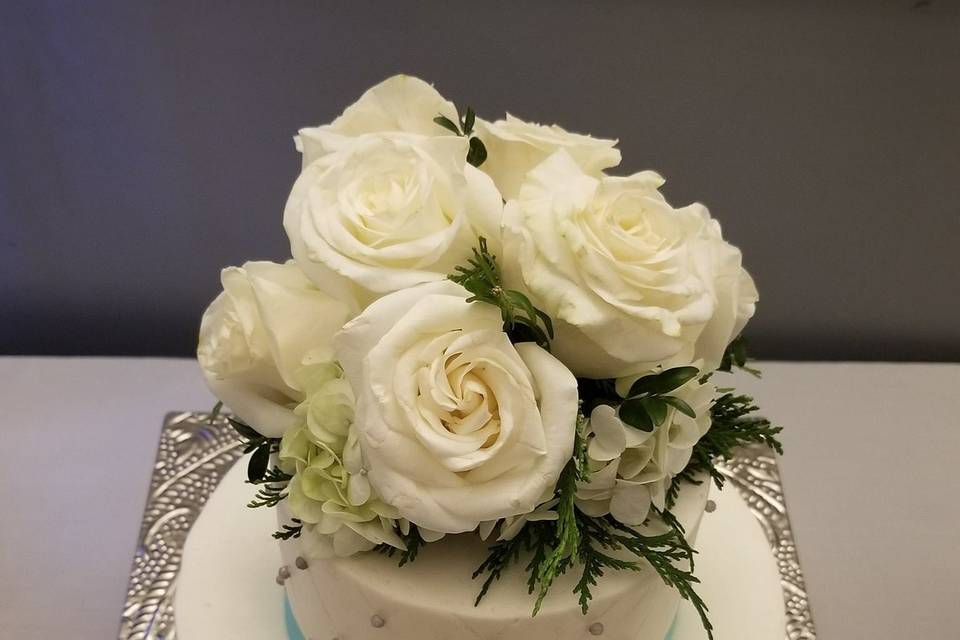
483, 331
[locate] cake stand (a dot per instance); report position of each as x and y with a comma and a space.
205, 557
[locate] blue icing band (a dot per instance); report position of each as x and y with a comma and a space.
673, 627
294, 633
293, 629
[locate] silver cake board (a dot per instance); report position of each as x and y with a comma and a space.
195, 453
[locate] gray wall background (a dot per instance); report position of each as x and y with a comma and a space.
145, 145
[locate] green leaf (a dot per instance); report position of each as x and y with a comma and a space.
448, 124
468, 121
736, 356
215, 412
518, 299
679, 405
739, 352
478, 152
257, 467
547, 322
521, 320
634, 413
244, 429
656, 408
663, 382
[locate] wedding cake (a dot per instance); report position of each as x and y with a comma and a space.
482, 394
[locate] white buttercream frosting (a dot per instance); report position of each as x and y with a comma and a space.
433, 597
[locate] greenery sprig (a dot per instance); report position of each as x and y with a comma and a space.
603, 544
289, 531
567, 537
215, 412
734, 424
272, 488
592, 544
522, 321
664, 553
735, 355
477, 153
257, 444
412, 542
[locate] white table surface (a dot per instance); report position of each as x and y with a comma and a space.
870, 477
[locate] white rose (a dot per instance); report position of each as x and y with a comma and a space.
457, 425
629, 280
399, 104
514, 147
389, 211
258, 334
631, 469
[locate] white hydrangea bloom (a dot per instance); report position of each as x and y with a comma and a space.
630, 469
329, 492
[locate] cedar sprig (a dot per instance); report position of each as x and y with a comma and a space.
601, 543
734, 424
522, 321
666, 553
567, 537
272, 488
289, 531
535, 538
412, 543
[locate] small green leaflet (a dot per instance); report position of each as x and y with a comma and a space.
680, 405
259, 462
259, 445
477, 152
663, 382
633, 413
447, 124
215, 412
646, 408
468, 121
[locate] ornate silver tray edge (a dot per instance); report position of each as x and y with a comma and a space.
194, 454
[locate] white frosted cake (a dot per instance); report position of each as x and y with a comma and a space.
481, 393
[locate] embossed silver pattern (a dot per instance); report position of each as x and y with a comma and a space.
755, 475
194, 454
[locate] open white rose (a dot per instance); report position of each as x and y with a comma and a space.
629, 280
389, 211
631, 469
258, 335
399, 104
514, 147
457, 425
